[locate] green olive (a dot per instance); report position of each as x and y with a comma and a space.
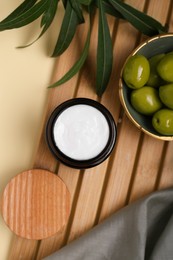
136, 71
154, 79
146, 100
163, 121
165, 67
166, 95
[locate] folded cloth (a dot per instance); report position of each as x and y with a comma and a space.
141, 231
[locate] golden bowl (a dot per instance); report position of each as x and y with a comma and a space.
152, 46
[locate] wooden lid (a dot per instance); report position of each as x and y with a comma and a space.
36, 204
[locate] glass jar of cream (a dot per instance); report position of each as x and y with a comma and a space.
81, 133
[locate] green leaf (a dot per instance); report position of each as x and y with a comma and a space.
25, 17
144, 23
27, 4
85, 2
68, 29
104, 52
64, 3
109, 9
78, 9
49, 15
46, 20
78, 65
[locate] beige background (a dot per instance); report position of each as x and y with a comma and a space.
24, 77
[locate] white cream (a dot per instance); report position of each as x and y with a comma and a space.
81, 132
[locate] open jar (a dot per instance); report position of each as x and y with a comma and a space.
81, 133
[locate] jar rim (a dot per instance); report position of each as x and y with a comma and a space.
88, 163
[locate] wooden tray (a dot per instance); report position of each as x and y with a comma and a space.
138, 165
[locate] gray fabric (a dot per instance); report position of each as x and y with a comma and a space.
140, 231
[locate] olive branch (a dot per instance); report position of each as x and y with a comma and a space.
31, 10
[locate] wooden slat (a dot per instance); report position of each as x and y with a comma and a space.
120, 172
138, 165
166, 178
147, 167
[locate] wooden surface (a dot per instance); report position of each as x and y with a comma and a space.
138, 165
36, 204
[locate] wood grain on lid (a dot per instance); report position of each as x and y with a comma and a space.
36, 204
